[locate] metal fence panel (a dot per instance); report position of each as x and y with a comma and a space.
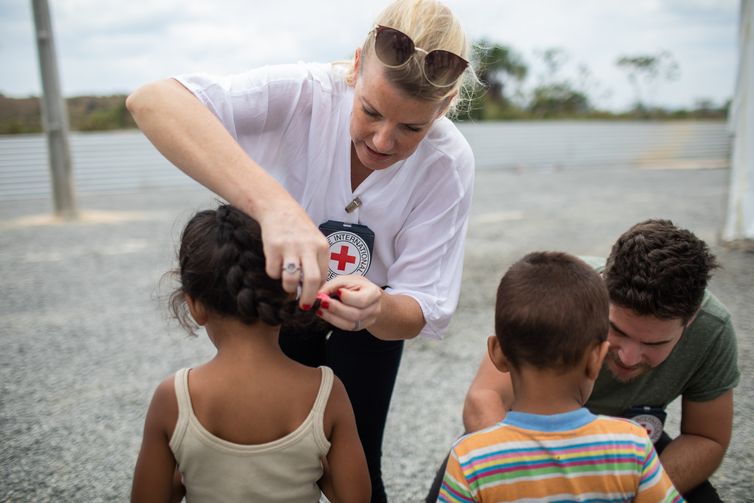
126, 161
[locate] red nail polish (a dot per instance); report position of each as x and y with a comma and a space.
325, 304
319, 312
306, 307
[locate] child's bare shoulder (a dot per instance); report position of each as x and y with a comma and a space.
163, 409
164, 393
338, 404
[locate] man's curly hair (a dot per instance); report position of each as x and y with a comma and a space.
658, 269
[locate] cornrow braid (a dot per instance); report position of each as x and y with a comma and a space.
222, 265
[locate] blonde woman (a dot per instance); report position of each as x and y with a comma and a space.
361, 185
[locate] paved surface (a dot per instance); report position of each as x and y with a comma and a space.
85, 337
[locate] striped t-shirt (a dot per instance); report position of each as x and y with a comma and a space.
575, 456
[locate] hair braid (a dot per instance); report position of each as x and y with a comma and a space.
222, 265
256, 295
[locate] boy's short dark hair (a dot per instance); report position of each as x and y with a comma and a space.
551, 308
658, 269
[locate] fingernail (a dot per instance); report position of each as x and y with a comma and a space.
324, 300
306, 307
319, 312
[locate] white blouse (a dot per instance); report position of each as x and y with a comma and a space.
293, 120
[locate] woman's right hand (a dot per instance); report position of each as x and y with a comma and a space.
290, 237
192, 138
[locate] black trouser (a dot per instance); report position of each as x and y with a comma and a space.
703, 493
368, 367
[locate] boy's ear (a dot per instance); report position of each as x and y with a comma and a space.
595, 358
496, 354
197, 310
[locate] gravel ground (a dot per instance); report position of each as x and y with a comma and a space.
85, 335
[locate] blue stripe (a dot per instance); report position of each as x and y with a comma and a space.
570, 464
539, 448
553, 423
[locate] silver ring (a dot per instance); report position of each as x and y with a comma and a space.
357, 327
291, 268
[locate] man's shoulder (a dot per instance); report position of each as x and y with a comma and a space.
713, 318
709, 343
712, 306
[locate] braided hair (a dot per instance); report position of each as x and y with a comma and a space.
222, 265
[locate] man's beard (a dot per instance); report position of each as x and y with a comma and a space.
640, 369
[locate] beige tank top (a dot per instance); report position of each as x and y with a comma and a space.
286, 469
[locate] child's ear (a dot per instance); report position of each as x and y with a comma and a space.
496, 354
197, 310
595, 359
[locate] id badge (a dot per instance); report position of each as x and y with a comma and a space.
652, 419
350, 248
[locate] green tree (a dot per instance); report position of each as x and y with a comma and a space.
644, 70
500, 68
554, 95
557, 100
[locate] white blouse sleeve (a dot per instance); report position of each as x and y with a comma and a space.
430, 246
259, 106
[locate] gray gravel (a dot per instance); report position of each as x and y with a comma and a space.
85, 335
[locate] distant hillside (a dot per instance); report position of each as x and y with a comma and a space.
86, 113
100, 113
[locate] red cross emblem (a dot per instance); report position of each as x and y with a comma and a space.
343, 258
349, 254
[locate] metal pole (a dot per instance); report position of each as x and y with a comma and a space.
739, 225
54, 114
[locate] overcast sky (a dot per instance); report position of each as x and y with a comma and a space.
113, 46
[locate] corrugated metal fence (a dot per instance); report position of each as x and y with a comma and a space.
126, 161
575, 144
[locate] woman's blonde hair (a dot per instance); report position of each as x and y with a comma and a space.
431, 25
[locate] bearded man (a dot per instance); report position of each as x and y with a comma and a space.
669, 337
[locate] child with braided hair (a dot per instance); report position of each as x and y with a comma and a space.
251, 424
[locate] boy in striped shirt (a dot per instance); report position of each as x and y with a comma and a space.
551, 324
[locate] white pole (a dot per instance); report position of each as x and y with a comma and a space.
740, 218
54, 114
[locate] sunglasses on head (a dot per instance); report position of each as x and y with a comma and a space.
394, 48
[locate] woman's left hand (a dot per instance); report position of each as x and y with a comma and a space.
355, 303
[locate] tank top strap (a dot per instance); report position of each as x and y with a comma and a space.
318, 409
325, 386
181, 391
184, 406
